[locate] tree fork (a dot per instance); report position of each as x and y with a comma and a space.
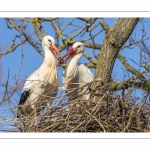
114, 39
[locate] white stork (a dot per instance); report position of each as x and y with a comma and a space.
76, 75
42, 85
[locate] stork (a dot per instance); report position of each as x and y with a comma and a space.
42, 85
76, 75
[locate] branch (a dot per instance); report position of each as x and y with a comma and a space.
90, 65
130, 44
14, 25
69, 23
86, 44
104, 26
93, 36
91, 45
11, 48
27, 20
145, 85
48, 19
129, 68
84, 19
58, 31
89, 58
129, 123
85, 27
36, 23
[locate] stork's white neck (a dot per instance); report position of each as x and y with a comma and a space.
49, 57
48, 67
73, 64
75, 59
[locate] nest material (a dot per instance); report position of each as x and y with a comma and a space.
109, 114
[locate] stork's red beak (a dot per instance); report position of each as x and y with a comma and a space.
55, 51
70, 54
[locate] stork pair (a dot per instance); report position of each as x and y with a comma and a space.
41, 86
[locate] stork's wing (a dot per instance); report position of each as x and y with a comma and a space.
23, 98
31, 81
68, 77
34, 77
85, 74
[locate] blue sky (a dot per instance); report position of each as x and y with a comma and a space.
32, 60
12, 60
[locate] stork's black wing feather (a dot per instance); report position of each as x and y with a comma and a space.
23, 98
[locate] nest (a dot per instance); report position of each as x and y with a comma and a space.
110, 113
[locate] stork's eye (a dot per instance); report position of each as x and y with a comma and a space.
78, 46
49, 40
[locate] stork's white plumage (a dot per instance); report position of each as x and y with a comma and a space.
42, 85
76, 75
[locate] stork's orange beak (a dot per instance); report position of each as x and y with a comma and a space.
55, 51
70, 54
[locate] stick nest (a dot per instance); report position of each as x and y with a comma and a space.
111, 113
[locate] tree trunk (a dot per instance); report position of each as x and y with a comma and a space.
114, 39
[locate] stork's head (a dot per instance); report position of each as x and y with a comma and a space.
49, 42
77, 48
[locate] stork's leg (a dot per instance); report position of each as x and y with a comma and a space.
35, 114
49, 105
